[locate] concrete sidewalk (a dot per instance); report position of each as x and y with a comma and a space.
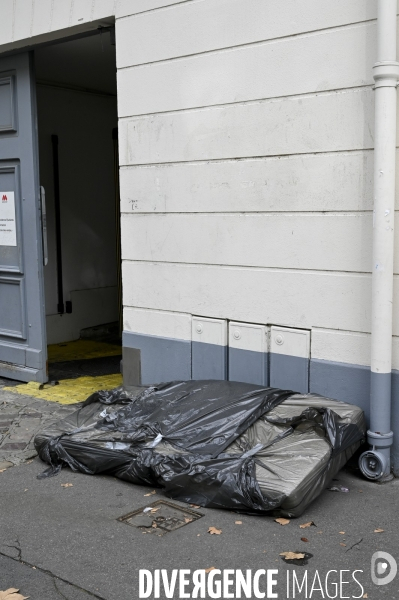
21, 417
66, 542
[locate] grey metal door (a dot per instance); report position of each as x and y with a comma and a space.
23, 353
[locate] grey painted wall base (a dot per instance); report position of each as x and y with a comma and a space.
162, 359
209, 361
395, 422
248, 366
289, 372
350, 383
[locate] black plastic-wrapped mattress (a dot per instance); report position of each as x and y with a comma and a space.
213, 443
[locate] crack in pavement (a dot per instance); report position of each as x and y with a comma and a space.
17, 548
47, 572
58, 590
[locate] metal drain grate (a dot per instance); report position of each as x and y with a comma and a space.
160, 517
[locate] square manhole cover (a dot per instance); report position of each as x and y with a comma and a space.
160, 517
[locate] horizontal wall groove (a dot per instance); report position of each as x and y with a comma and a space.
151, 10
171, 6
344, 90
248, 158
304, 34
287, 213
227, 159
160, 310
304, 213
343, 331
250, 268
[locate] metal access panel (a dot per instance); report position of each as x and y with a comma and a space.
289, 358
160, 517
209, 348
22, 313
248, 353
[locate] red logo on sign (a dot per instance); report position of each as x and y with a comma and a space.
4, 198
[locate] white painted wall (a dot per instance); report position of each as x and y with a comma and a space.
204, 25
273, 69
305, 240
246, 137
284, 126
83, 123
276, 183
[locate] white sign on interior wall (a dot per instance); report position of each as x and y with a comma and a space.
8, 235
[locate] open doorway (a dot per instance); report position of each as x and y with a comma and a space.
77, 132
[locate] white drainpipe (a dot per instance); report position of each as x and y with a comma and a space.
375, 464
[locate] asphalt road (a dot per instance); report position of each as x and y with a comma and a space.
80, 550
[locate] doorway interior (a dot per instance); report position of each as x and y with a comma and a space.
78, 162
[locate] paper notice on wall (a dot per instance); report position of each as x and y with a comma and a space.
8, 230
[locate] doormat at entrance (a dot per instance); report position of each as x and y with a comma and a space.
80, 350
69, 391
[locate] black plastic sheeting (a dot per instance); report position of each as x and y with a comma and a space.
213, 443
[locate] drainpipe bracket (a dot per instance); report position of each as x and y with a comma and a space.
386, 74
380, 441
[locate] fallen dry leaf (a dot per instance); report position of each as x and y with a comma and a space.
151, 493
304, 525
187, 520
282, 521
195, 506
2, 470
238, 522
12, 594
378, 530
292, 555
214, 531
319, 532
154, 510
341, 544
342, 532
210, 569
304, 539
66, 484
365, 596
154, 525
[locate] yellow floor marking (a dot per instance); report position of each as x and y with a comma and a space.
69, 391
80, 350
